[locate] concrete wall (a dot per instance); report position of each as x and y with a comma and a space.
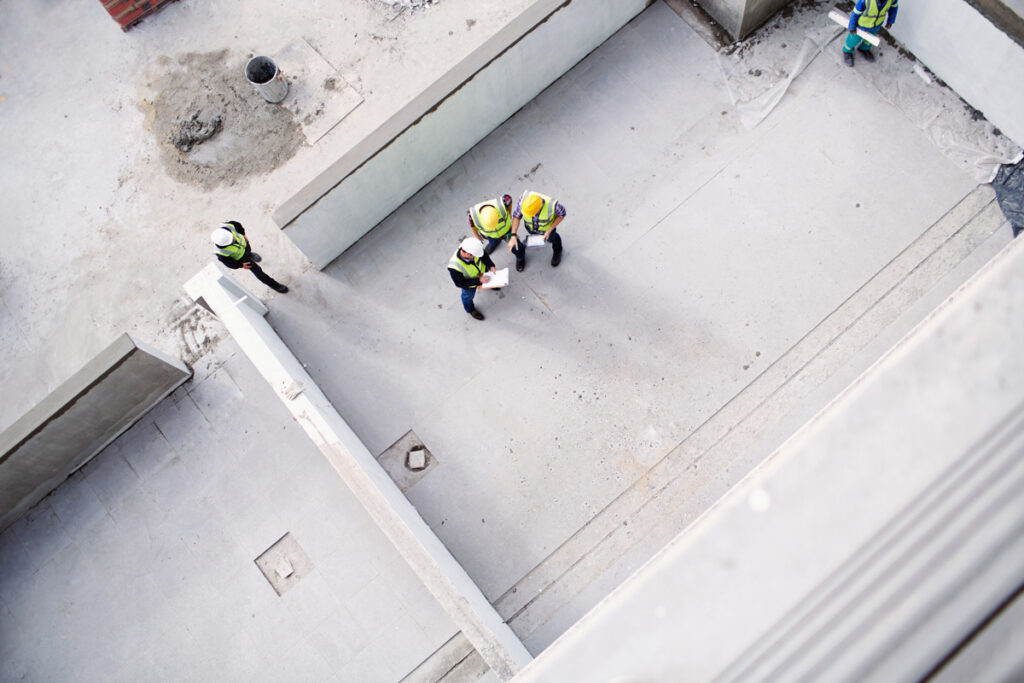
445, 121
973, 56
79, 419
1008, 15
741, 17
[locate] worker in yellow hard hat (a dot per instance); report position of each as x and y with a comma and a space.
868, 16
541, 215
491, 222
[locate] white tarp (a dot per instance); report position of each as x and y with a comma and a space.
759, 71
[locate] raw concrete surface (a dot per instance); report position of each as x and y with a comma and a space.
697, 254
696, 251
244, 317
79, 419
758, 72
106, 220
446, 120
864, 549
142, 565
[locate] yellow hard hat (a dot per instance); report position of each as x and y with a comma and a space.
532, 205
489, 217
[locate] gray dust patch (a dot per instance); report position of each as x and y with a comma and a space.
212, 127
195, 331
409, 4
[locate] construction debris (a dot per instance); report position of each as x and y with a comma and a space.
195, 130
213, 128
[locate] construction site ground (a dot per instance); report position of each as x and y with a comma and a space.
720, 284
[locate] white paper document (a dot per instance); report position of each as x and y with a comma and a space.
498, 279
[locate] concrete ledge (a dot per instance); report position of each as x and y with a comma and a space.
79, 419
442, 123
242, 315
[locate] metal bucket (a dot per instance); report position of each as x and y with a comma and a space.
263, 73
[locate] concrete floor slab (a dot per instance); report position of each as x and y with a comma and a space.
659, 315
156, 540
694, 247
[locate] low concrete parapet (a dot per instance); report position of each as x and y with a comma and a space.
444, 122
79, 419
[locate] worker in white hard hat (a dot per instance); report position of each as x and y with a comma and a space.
469, 268
540, 214
491, 222
234, 251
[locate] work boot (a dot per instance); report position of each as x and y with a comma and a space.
867, 55
556, 258
848, 58
520, 265
477, 314
281, 288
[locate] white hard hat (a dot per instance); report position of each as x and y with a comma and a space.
222, 237
473, 246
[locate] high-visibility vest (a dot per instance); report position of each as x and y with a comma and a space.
874, 15
236, 249
504, 218
545, 217
474, 268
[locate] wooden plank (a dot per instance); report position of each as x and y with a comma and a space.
129, 12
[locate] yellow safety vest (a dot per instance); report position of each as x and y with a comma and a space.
475, 268
873, 14
504, 218
236, 249
545, 217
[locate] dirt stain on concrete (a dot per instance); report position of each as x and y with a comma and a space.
212, 126
195, 331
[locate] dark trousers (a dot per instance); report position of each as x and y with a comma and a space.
467, 299
255, 269
555, 240
518, 251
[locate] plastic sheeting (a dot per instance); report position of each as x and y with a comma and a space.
960, 131
1009, 187
759, 71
